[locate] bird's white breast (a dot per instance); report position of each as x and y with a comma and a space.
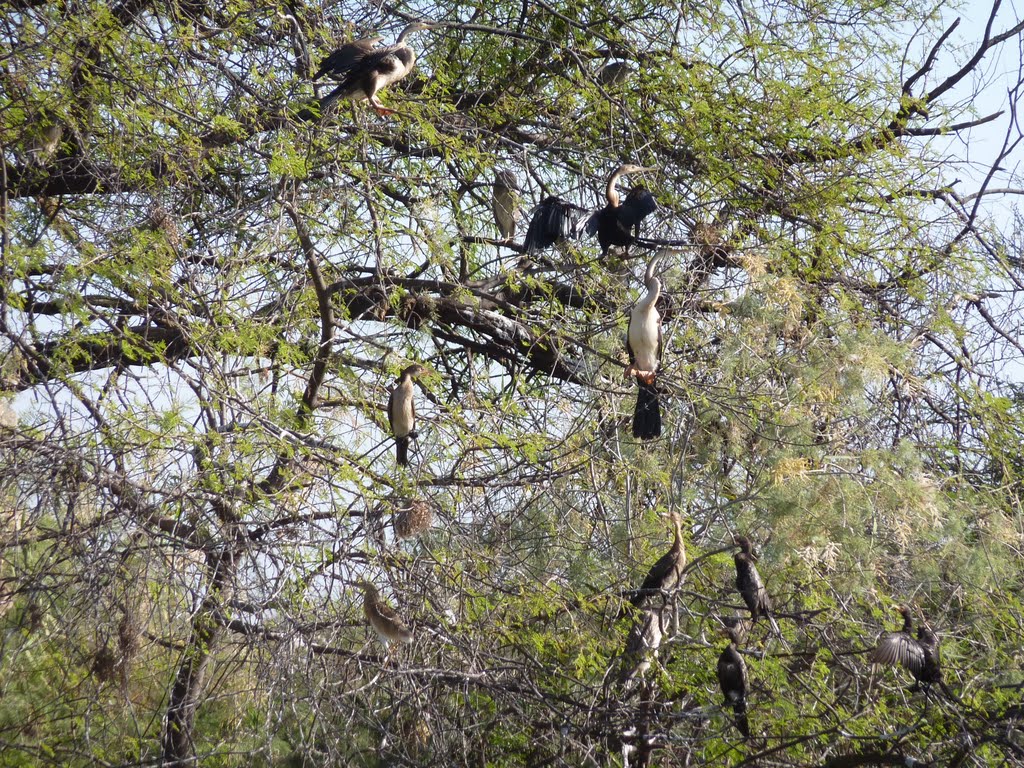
643, 338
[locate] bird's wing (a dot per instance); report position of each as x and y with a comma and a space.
339, 62
629, 350
639, 204
661, 342
593, 222
899, 648
391, 405
546, 225
655, 578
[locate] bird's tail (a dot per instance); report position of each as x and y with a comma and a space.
742, 724
338, 93
402, 451
647, 415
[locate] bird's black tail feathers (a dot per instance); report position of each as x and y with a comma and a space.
647, 415
402, 451
739, 707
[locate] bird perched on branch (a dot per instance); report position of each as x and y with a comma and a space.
668, 570
644, 345
732, 678
362, 70
618, 223
919, 656
749, 584
505, 203
642, 644
614, 73
402, 412
382, 617
553, 221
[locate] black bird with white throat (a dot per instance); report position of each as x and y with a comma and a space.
402, 412
362, 70
618, 223
644, 345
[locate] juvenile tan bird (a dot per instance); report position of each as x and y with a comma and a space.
505, 203
382, 617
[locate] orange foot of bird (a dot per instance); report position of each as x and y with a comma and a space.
647, 377
630, 371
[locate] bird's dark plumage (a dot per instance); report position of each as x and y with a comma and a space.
732, 678
618, 223
748, 581
919, 656
647, 412
341, 61
362, 70
553, 220
666, 572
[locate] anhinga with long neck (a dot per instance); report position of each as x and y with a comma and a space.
402, 412
618, 223
643, 345
749, 584
382, 617
668, 570
732, 678
919, 656
505, 203
362, 70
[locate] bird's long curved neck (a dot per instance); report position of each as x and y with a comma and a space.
908, 622
611, 192
653, 291
405, 33
677, 542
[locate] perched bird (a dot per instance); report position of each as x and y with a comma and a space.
618, 223
340, 61
614, 73
668, 570
643, 345
732, 678
749, 584
505, 203
43, 139
362, 70
642, 644
402, 412
920, 656
382, 617
553, 221
412, 517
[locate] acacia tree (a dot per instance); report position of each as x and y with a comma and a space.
209, 285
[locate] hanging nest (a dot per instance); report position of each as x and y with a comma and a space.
412, 517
